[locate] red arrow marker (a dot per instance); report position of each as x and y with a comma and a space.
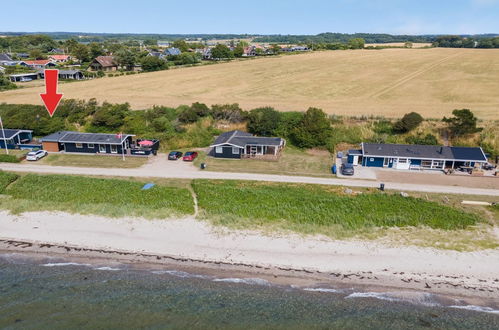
51, 99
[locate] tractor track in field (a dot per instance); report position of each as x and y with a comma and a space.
411, 76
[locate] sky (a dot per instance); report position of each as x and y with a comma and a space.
253, 16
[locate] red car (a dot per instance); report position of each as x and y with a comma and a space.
189, 156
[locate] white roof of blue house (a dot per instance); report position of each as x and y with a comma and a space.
415, 151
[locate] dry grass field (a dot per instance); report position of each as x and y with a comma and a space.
401, 44
387, 82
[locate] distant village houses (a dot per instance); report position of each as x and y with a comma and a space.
103, 63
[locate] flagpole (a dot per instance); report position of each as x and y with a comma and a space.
4, 139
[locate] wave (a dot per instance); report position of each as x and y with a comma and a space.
418, 298
323, 290
107, 268
252, 281
62, 264
477, 308
179, 273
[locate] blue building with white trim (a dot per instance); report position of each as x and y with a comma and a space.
407, 156
17, 139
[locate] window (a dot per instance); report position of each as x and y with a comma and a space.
79, 145
91, 145
235, 150
219, 150
402, 160
426, 163
102, 148
114, 149
371, 159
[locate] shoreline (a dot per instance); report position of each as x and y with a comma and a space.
194, 246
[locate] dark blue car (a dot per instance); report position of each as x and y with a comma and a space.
174, 155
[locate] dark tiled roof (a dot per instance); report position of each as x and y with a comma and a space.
77, 137
355, 152
5, 57
423, 151
106, 61
10, 133
241, 139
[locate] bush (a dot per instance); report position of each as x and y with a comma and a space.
409, 122
263, 121
9, 159
314, 130
428, 139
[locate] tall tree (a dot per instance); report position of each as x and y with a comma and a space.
95, 49
464, 122
125, 58
182, 45
314, 129
80, 51
220, 52
263, 121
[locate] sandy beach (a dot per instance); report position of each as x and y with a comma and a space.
190, 242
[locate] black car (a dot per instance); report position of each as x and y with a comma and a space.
174, 155
347, 169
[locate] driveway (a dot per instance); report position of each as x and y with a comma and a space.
159, 167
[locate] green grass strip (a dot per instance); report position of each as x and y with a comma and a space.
110, 197
6, 179
320, 207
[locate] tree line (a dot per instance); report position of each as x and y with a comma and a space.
197, 124
466, 42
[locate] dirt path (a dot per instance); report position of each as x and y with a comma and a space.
183, 171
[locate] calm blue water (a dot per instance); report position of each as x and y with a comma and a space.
55, 294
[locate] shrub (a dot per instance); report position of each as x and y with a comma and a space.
463, 123
409, 122
428, 139
9, 159
314, 129
263, 121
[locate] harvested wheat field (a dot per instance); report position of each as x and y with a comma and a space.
387, 82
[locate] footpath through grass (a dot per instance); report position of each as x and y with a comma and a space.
320, 209
108, 197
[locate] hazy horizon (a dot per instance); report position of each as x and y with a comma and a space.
396, 17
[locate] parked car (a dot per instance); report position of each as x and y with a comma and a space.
35, 155
488, 167
190, 156
174, 155
347, 169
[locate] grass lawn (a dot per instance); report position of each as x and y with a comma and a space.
365, 214
293, 161
15, 152
108, 197
91, 161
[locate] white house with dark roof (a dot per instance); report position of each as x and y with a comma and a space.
238, 144
408, 156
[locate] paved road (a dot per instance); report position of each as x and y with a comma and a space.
164, 169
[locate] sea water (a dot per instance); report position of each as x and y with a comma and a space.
61, 294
